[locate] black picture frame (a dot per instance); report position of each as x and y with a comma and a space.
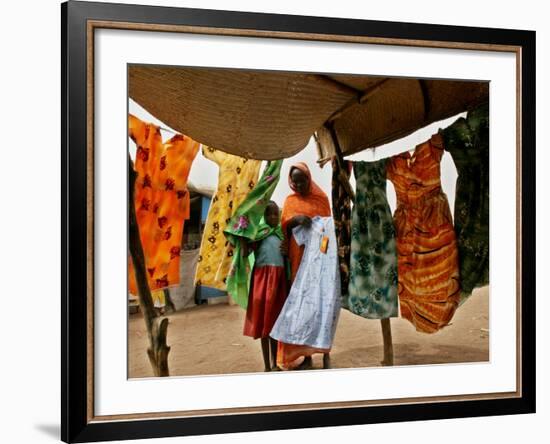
76, 423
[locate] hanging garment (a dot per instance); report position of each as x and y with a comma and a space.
161, 200
307, 322
237, 176
159, 298
373, 281
467, 140
247, 223
427, 254
341, 210
183, 296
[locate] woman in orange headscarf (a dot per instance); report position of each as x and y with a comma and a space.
307, 201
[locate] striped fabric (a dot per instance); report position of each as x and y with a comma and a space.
428, 273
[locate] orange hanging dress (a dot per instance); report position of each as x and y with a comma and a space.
427, 253
162, 200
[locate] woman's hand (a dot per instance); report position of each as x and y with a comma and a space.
304, 221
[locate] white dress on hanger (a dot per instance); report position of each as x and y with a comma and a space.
311, 311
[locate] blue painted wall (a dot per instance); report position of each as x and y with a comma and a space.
204, 208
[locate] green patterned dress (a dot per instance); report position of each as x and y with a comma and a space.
467, 140
373, 264
248, 222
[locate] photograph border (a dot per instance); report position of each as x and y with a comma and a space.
79, 21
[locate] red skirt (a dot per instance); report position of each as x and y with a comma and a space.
268, 292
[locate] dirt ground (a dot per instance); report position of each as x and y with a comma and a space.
208, 339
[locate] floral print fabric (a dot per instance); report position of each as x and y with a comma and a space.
248, 223
161, 200
373, 265
467, 140
237, 176
341, 210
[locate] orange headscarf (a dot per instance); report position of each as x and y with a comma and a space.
314, 203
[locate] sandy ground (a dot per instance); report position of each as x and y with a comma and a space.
208, 339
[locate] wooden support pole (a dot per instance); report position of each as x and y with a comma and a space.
388, 343
385, 323
157, 327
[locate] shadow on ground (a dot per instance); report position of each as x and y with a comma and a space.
208, 340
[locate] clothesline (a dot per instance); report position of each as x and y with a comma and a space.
436, 126
322, 162
163, 128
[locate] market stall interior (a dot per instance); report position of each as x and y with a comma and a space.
421, 261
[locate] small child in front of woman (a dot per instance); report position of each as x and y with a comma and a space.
268, 286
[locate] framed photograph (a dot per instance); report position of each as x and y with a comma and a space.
275, 222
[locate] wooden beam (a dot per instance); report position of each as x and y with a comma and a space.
340, 159
339, 85
362, 98
425, 97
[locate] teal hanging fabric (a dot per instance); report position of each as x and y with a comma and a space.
372, 291
467, 140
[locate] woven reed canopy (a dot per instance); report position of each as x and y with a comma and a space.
272, 115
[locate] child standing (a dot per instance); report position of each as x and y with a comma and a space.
268, 287
257, 282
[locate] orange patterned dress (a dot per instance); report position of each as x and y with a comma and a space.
428, 273
161, 200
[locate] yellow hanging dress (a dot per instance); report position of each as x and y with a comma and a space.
237, 176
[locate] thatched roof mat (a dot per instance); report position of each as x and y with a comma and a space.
272, 115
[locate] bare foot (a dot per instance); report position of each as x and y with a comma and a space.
275, 369
387, 362
267, 369
306, 364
